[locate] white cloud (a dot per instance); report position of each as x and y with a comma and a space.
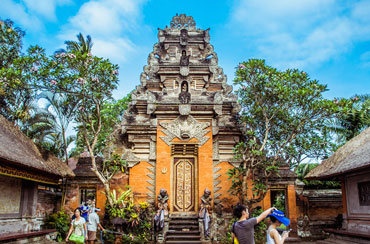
109, 23
19, 14
300, 33
44, 8
29, 14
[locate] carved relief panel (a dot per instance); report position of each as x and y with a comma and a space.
184, 182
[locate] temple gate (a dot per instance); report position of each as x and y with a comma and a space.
180, 129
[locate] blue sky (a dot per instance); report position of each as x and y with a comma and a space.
329, 39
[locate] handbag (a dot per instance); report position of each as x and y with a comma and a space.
235, 241
77, 239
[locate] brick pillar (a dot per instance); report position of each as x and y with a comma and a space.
292, 207
266, 204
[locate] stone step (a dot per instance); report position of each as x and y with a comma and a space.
183, 227
183, 237
333, 241
190, 232
191, 222
184, 242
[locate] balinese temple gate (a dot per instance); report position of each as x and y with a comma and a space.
180, 129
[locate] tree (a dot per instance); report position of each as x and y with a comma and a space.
82, 46
15, 103
283, 113
10, 42
112, 114
62, 110
91, 80
17, 94
352, 117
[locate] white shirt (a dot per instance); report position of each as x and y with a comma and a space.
270, 240
93, 222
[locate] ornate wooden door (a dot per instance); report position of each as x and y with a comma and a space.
184, 169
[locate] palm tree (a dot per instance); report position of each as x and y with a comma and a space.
352, 119
83, 46
60, 113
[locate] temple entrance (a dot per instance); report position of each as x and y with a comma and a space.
184, 185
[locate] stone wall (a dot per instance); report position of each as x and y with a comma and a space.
318, 209
48, 202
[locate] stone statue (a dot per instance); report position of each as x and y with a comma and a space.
205, 211
184, 37
184, 95
162, 209
303, 227
206, 201
162, 201
184, 60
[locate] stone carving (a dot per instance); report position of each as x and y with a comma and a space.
184, 59
162, 201
205, 204
184, 37
205, 211
184, 95
184, 71
303, 225
162, 214
184, 109
183, 22
207, 38
185, 128
161, 36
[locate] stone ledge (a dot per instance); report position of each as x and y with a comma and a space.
22, 235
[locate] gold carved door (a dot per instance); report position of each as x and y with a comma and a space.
184, 185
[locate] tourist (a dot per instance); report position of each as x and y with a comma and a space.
243, 229
77, 232
85, 210
93, 224
277, 218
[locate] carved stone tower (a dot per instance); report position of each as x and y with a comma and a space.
180, 128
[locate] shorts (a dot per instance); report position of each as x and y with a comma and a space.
91, 235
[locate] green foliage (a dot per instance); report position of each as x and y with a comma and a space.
228, 238
303, 169
279, 202
352, 117
283, 114
137, 219
59, 221
112, 114
260, 229
17, 95
10, 42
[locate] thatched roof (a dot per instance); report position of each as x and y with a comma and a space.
17, 150
353, 156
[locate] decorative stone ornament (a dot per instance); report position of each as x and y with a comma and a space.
185, 128
184, 71
183, 22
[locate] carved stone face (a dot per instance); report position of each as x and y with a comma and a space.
184, 87
207, 193
163, 192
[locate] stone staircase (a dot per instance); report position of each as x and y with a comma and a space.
183, 230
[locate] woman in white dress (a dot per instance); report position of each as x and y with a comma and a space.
277, 218
78, 226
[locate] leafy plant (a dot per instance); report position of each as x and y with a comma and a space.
282, 116
136, 219
303, 169
59, 221
260, 229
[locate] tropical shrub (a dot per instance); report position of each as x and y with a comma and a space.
59, 221
136, 219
